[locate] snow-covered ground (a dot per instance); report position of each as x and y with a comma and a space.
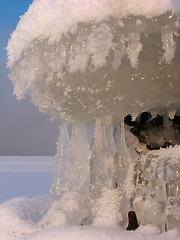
22, 217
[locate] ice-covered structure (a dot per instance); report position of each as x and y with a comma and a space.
90, 63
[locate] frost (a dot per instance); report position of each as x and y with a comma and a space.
99, 45
108, 208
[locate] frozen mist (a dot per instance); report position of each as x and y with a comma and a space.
90, 64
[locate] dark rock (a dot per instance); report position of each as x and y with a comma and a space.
128, 120
144, 118
155, 133
133, 223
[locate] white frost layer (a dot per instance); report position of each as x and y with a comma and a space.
38, 22
19, 221
26, 164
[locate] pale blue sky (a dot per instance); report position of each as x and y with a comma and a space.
23, 129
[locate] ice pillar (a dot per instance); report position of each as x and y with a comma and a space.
71, 186
103, 190
173, 195
124, 166
58, 187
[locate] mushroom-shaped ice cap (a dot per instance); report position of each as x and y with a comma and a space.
86, 59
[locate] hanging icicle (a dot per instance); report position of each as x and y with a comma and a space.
103, 190
77, 174
134, 47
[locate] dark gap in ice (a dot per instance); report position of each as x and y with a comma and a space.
158, 132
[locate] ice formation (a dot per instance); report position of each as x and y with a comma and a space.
90, 63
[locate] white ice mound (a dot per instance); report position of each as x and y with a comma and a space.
86, 59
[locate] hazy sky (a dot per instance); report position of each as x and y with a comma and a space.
23, 129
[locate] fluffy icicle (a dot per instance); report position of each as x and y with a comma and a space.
119, 51
134, 48
102, 167
60, 180
169, 46
100, 44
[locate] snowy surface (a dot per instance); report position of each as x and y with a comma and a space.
20, 219
25, 218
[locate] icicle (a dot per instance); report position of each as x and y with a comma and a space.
119, 51
72, 175
102, 160
58, 188
102, 167
77, 174
134, 48
123, 158
78, 159
173, 196
169, 45
99, 44
111, 148
123, 164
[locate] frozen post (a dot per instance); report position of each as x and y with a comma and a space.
84, 62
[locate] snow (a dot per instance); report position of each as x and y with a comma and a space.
21, 220
36, 218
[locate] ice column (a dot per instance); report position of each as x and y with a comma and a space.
103, 191
123, 158
77, 174
173, 195
70, 190
124, 167
60, 180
